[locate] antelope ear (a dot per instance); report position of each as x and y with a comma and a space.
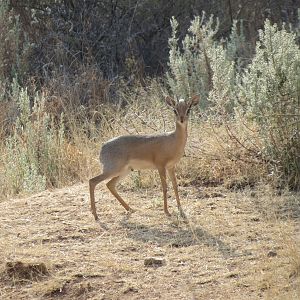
194, 100
170, 101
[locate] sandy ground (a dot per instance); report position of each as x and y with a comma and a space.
235, 245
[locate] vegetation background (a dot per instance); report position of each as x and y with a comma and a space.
76, 73
66, 65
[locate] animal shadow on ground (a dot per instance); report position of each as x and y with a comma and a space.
178, 237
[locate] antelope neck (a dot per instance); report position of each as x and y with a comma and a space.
181, 132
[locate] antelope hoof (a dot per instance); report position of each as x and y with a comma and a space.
167, 213
182, 214
131, 210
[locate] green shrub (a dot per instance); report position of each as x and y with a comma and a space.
264, 91
189, 68
202, 65
34, 152
269, 93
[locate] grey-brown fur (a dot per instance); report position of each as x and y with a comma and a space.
122, 154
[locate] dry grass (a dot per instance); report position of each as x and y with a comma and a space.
236, 245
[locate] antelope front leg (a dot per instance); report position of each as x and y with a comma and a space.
163, 178
175, 187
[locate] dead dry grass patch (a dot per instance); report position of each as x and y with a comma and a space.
21, 271
277, 275
229, 248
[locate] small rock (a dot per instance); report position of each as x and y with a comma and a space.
130, 289
154, 262
232, 275
272, 254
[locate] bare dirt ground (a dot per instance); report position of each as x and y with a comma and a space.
235, 245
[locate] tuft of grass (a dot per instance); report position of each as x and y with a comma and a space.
21, 271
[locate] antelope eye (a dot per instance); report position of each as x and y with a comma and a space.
175, 111
188, 111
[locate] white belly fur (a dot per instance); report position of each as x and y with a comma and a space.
136, 164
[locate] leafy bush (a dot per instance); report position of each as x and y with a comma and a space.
265, 93
203, 65
269, 93
34, 152
190, 70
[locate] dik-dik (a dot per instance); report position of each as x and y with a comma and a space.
120, 155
